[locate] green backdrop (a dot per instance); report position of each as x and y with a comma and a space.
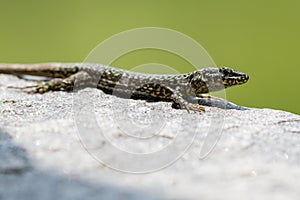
258, 37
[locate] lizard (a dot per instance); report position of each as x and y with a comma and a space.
185, 91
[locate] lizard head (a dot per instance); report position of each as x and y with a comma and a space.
214, 79
232, 77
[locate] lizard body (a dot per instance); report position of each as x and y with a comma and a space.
185, 91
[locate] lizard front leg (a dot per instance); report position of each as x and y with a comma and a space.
179, 102
207, 96
157, 92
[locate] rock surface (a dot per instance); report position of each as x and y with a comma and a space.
89, 145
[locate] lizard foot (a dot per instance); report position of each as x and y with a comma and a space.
189, 107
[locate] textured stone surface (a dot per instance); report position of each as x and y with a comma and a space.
48, 152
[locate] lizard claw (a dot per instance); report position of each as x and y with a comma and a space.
190, 107
194, 107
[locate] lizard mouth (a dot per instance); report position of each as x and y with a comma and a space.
235, 79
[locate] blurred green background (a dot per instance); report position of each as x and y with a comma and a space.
258, 37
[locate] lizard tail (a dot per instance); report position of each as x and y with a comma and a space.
52, 70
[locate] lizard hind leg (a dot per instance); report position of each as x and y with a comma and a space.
56, 84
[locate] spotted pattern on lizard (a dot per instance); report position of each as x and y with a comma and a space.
185, 91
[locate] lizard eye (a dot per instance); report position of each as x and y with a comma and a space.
225, 70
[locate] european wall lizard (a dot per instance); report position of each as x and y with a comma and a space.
185, 91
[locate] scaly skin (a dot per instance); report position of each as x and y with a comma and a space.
185, 91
